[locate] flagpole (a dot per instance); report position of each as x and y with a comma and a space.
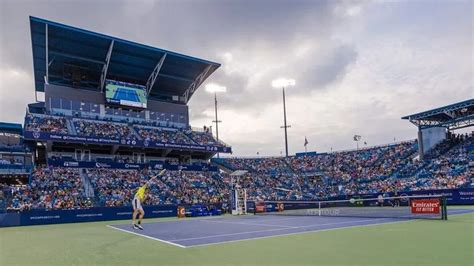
305, 145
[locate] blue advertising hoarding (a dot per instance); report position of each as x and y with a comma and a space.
34, 135
41, 216
463, 196
131, 166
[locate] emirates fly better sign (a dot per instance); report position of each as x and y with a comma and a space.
425, 206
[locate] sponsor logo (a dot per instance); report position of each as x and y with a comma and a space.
45, 217
404, 197
136, 166
89, 215
124, 213
102, 165
425, 206
71, 164
36, 135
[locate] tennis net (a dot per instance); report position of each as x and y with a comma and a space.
405, 207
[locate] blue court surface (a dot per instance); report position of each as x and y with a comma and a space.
191, 232
126, 94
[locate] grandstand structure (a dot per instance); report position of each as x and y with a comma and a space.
107, 99
433, 124
15, 157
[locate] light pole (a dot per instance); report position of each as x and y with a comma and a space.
214, 88
282, 83
356, 139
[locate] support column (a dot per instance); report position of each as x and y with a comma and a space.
420, 144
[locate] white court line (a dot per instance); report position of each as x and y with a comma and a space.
313, 231
271, 230
297, 233
279, 229
150, 237
244, 223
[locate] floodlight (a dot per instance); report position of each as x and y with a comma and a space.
213, 88
282, 82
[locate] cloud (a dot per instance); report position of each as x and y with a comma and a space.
359, 65
15, 94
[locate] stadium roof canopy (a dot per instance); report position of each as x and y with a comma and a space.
453, 116
11, 128
69, 56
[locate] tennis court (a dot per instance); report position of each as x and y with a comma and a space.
201, 232
126, 94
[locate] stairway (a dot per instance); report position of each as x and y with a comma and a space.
134, 132
295, 174
88, 189
70, 127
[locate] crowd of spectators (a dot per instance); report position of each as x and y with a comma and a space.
103, 129
270, 165
391, 168
380, 169
58, 188
118, 187
116, 130
163, 135
204, 138
50, 124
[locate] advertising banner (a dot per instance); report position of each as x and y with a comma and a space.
33, 135
42, 216
425, 206
131, 166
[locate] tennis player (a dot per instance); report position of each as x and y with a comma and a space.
137, 203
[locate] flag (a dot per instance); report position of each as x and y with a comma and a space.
305, 141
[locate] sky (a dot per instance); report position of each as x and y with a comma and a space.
359, 66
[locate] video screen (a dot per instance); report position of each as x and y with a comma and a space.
128, 94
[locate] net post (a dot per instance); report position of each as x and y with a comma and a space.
444, 208
245, 201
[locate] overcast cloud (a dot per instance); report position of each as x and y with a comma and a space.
359, 66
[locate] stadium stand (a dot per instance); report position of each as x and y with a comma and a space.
43, 123
165, 135
58, 188
372, 170
90, 148
103, 129
116, 130
203, 138
15, 157
381, 169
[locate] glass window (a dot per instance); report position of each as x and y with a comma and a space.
86, 107
55, 103
76, 106
95, 108
109, 111
66, 104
